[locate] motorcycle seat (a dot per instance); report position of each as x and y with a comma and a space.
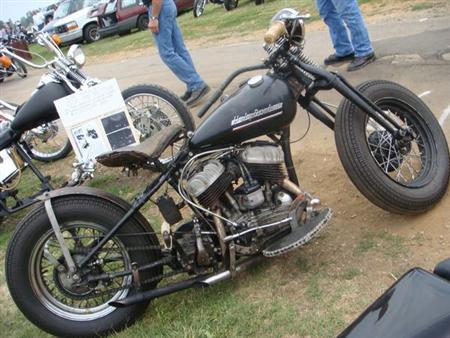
143, 154
7, 137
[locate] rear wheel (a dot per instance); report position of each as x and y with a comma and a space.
199, 7
153, 108
230, 4
402, 177
48, 296
142, 22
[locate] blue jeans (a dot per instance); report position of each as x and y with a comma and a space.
171, 47
340, 15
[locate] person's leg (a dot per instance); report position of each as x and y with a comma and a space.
350, 13
338, 32
164, 42
195, 81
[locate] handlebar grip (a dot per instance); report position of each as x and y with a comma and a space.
275, 31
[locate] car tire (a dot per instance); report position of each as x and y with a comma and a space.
142, 22
90, 33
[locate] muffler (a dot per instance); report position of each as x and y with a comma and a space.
200, 281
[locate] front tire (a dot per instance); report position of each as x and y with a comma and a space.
21, 70
42, 292
90, 33
405, 179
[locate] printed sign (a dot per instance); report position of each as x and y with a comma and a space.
97, 120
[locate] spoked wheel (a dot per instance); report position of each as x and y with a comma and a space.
50, 296
48, 142
153, 108
199, 7
21, 70
407, 176
230, 4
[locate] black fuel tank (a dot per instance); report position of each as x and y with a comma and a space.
263, 105
39, 108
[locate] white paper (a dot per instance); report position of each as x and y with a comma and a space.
7, 166
96, 120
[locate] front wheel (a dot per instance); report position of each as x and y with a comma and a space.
153, 108
47, 294
48, 142
401, 177
21, 70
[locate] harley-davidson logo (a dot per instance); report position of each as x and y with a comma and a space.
238, 119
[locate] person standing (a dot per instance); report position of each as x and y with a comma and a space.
171, 47
340, 15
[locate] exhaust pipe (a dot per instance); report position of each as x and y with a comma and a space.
200, 281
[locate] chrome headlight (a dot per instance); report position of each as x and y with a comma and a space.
76, 55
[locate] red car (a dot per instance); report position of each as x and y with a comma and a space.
121, 16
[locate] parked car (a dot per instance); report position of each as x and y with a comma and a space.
121, 16
73, 23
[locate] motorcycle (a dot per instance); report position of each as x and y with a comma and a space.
32, 131
10, 65
93, 272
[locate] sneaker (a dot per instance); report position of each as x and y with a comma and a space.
361, 62
197, 95
335, 59
186, 96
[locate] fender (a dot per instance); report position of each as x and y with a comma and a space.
100, 194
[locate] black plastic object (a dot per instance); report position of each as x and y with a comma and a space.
169, 209
417, 305
248, 113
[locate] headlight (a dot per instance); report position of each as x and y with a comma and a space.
71, 26
76, 55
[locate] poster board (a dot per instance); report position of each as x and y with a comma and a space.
97, 120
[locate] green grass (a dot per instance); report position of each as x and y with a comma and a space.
422, 6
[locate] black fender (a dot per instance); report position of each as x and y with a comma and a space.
103, 195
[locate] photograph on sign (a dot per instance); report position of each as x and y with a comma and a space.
89, 144
97, 120
118, 131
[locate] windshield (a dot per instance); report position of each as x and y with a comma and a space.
68, 7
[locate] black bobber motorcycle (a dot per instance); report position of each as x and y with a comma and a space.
85, 262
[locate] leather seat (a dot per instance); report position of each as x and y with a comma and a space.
443, 269
144, 153
7, 137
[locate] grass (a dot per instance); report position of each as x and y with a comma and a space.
421, 6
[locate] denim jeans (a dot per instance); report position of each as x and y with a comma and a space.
171, 47
340, 15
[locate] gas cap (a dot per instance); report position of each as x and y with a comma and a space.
255, 81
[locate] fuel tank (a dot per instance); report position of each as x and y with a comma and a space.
263, 105
40, 107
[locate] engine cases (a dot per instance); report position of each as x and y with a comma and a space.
255, 109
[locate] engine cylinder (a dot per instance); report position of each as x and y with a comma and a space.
265, 163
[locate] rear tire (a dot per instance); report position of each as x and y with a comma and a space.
148, 120
142, 22
199, 7
385, 173
33, 295
230, 4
